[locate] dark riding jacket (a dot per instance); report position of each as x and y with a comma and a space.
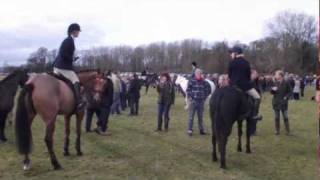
64, 60
239, 73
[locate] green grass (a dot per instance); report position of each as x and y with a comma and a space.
135, 151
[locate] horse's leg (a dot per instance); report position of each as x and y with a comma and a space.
187, 103
214, 144
222, 143
147, 87
66, 135
248, 149
213, 129
239, 148
3, 117
49, 142
79, 117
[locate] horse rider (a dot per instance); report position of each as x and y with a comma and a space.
194, 67
63, 64
239, 72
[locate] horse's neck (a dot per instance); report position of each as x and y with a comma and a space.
85, 77
184, 84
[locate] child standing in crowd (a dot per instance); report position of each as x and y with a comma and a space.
281, 92
165, 99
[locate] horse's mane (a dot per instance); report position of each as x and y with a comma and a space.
88, 70
9, 77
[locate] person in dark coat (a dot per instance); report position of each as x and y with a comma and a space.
166, 98
91, 109
198, 90
134, 95
123, 95
63, 64
239, 72
105, 108
302, 86
281, 92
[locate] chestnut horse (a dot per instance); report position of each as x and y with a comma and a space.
47, 96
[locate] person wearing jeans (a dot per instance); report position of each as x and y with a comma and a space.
281, 92
197, 91
165, 99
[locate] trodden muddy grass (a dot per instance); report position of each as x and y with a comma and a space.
135, 151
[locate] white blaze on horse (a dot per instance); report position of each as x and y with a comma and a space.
183, 83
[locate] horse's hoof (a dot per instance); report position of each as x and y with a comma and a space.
3, 139
223, 167
66, 154
239, 150
26, 167
214, 159
79, 153
57, 167
248, 151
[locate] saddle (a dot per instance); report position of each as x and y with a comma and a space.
62, 78
65, 80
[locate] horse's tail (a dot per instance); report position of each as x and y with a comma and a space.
23, 124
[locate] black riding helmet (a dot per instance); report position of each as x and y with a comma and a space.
236, 49
73, 27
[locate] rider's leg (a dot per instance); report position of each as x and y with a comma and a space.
72, 76
256, 104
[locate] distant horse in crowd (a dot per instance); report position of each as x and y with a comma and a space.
150, 80
8, 89
228, 105
48, 96
182, 83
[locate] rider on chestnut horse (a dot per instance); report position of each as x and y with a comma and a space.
63, 64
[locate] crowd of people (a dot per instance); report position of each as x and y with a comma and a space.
123, 91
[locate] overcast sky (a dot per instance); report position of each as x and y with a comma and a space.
27, 25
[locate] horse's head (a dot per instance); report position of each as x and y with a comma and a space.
93, 82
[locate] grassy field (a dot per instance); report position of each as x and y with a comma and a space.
135, 151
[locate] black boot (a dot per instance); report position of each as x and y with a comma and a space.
256, 107
79, 101
286, 125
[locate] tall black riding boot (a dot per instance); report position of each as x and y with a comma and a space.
286, 125
256, 106
79, 101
